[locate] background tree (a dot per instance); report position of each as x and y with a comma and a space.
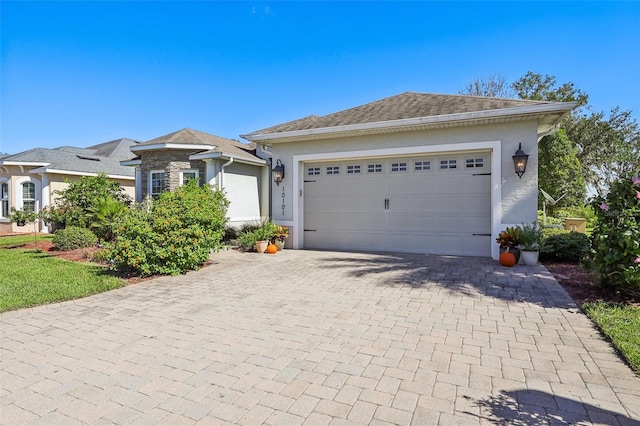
543, 88
560, 172
492, 85
608, 147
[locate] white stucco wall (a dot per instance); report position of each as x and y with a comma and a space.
518, 197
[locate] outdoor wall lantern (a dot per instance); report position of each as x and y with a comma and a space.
278, 172
519, 161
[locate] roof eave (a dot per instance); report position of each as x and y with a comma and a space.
24, 163
157, 146
134, 162
227, 156
77, 173
419, 123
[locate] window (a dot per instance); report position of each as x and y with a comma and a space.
353, 170
398, 167
156, 182
448, 164
313, 171
29, 197
421, 166
189, 174
374, 168
474, 162
4, 199
333, 170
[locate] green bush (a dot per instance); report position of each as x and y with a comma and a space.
74, 237
175, 235
549, 232
565, 247
74, 203
585, 212
616, 235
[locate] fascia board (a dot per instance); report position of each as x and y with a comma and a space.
24, 163
131, 163
523, 112
225, 155
76, 173
170, 146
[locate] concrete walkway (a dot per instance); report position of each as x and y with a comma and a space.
305, 337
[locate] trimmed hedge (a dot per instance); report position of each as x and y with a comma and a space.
74, 237
565, 247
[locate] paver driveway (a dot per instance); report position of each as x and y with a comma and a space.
307, 337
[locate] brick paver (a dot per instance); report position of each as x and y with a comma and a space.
307, 337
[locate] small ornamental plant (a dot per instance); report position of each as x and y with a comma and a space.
615, 240
509, 238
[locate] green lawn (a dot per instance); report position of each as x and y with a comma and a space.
31, 278
621, 324
23, 239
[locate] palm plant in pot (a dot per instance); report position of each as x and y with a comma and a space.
530, 243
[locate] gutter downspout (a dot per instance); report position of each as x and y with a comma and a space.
221, 183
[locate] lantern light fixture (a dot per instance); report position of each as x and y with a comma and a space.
520, 161
278, 172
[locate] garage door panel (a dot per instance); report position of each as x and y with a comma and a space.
428, 211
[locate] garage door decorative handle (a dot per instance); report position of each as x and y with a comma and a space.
386, 204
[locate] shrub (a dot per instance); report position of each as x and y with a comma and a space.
174, 236
565, 247
616, 235
72, 208
74, 237
550, 232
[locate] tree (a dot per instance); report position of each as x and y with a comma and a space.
543, 88
560, 172
607, 147
492, 85
74, 203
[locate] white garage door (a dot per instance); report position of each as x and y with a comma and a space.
439, 204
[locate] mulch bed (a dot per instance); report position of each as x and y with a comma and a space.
581, 285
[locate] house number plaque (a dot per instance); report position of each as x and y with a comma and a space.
283, 201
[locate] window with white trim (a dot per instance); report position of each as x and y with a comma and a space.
29, 197
422, 166
156, 182
333, 170
4, 199
474, 162
448, 164
188, 174
313, 171
398, 167
353, 169
374, 168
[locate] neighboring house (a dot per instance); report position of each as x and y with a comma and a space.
29, 179
164, 163
414, 172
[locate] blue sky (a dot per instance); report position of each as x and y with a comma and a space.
82, 73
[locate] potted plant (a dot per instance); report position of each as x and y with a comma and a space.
263, 235
22, 217
282, 233
509, 240
529, 239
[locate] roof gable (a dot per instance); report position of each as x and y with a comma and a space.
192, 139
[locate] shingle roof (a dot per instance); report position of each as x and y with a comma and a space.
104, 157
195, 137
398, 107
